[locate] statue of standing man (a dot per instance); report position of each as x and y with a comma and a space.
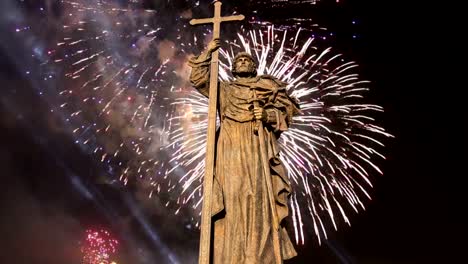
250, 187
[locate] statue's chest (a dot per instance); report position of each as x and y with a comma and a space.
239, 101
245, 95
238, 104
241, 94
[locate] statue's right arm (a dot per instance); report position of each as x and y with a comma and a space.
200, 74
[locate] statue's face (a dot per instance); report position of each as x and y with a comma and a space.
244, 65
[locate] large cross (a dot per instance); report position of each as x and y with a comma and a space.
205, 235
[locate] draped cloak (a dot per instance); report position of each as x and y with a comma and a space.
241, 211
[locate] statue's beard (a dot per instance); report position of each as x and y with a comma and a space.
250, 71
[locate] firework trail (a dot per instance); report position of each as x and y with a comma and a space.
128, 100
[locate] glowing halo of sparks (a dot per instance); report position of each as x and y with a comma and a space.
328, 150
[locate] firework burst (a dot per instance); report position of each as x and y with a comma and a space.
112, 83
329, 148
98, 247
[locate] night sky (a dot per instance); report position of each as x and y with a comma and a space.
50, 192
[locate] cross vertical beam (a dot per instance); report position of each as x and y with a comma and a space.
205, 234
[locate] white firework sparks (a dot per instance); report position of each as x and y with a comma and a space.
327, 150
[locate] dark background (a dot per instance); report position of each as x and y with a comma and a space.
416, 212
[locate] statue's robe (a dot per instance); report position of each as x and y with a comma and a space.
241, 211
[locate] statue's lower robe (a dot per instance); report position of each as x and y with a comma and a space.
242, 221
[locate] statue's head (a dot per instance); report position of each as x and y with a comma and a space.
244, 65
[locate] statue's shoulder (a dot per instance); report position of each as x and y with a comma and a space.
271, 81
280, 86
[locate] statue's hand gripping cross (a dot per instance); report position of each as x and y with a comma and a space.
205, 236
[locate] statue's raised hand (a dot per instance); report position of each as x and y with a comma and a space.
213, 45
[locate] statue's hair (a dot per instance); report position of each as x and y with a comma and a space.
240, 55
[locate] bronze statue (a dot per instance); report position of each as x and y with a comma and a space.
250, 187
